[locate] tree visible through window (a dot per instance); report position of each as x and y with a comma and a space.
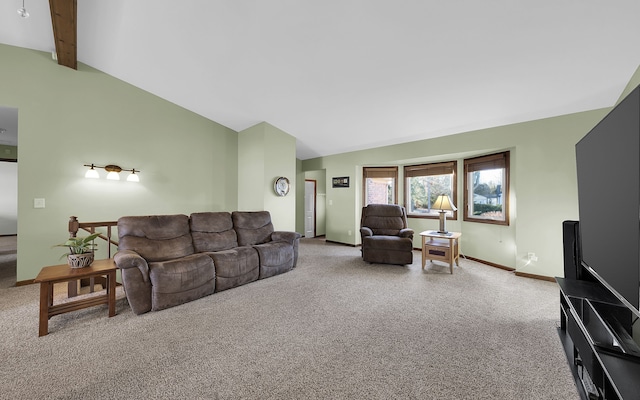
487, 189
424, 183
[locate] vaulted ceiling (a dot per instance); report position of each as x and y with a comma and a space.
343, 75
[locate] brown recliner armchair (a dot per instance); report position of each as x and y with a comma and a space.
386, 239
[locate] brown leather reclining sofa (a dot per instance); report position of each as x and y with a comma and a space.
167, 260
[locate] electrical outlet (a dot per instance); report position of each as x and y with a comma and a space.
38, 203
532, 257
349, 233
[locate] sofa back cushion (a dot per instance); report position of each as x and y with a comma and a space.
252, 227
156, 237
384, 219
213, 231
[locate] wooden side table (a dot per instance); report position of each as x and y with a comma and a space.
442, 247
48, 276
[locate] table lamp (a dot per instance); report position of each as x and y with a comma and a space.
444, 204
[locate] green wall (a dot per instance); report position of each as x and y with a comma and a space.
267, 154
543, 188
68, 118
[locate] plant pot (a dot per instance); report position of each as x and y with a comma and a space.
80, 260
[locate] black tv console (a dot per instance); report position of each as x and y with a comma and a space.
604, 362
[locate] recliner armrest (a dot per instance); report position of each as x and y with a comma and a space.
364, 231
285, 236
125, 259
293, 238
406, 232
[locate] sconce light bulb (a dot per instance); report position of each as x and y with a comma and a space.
92, 173
133, 177
113, 175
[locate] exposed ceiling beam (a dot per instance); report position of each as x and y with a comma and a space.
63, 19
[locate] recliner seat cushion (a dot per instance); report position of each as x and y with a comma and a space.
382, 242
184, 273
235, 267
275, 258
181, 280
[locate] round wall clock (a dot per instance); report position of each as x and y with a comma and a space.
281, 186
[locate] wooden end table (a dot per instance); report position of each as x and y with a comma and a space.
441, 246
48, 276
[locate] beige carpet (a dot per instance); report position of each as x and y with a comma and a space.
333, 328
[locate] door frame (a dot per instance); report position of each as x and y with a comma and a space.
315, 205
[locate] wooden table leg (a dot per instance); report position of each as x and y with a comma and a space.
46, 293
111, 292
72, 288
451, 255
423, 252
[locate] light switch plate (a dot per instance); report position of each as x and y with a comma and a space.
38, 203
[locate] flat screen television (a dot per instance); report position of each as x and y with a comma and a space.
608, 169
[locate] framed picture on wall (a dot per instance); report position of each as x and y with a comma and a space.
340, 182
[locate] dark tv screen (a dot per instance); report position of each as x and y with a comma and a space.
608, 168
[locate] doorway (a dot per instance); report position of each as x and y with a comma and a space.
8, 196
310, 193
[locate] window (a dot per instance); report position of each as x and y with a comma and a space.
424, 183
486, 189
380, 185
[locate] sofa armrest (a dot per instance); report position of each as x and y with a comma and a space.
364, 231
125, 259
283, 236
406, 233
292, 238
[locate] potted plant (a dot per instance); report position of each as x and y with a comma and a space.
80, 250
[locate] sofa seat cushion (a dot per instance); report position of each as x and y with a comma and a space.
181, 280
235, 267
212, 231
275, 258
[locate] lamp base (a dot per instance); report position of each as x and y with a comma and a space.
443, 222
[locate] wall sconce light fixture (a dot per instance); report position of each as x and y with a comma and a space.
113, 172
23, 11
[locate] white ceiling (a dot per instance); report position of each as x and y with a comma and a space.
343, 75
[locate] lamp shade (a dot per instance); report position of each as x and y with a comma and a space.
113, 175
443, 202
92, 173
133, 177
